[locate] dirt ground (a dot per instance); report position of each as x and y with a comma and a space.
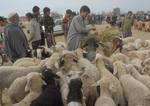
136, 34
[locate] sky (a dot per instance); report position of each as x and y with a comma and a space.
96, 6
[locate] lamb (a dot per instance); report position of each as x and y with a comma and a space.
105, 98
34, 86
50, 95
26, 62
145, 79
116, 91
135, 92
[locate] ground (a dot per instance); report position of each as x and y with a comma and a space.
136, 33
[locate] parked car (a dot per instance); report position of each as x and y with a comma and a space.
58, 27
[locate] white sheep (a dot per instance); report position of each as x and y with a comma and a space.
141, 54
34, 86
120, 57
116, 90
136, 93
139, 43
105, 98
26, 62
9, 73
15, 91
128, 39
53, 62
145, 79
147, 43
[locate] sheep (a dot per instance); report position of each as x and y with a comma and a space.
34, 86
53, 62
9, 73
105, 98
128, 47
26, 62
141, 54
146, 62
136, 93
120, 57
75, 96
42, 52
139, 43
142, 78
89, 68
147, 43
15, 91
50, 95
128, 39
116, 91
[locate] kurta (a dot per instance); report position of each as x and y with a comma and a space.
16, 43
127, 26
76, 31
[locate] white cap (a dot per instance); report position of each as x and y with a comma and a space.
12, 15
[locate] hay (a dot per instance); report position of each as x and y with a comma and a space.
110, 33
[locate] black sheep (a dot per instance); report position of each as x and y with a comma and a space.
51, 95
75, 93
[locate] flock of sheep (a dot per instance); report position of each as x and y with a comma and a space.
68, 79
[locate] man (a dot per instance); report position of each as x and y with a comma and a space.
48, 23
16, 44
78, 29
127, 25
35, 31
66, 22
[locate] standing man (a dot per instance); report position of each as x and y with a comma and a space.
16, 45
48, 23
66, 22
78, 29
35, 31
127, 25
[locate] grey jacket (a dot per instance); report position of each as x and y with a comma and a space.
16, 43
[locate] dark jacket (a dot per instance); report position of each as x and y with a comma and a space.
16, 44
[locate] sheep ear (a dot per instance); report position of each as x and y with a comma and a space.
61, 61
115, 72
27, 87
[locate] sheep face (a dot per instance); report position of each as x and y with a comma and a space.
67, 61
48, 76
119, 69
34, 82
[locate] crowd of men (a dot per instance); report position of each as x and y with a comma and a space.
41, 30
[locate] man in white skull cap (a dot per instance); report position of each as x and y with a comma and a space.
16, 44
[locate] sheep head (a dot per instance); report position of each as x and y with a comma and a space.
119, 69
67, 60
34, 82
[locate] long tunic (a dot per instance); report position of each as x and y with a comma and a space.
76, 31
15, 42
127, 26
